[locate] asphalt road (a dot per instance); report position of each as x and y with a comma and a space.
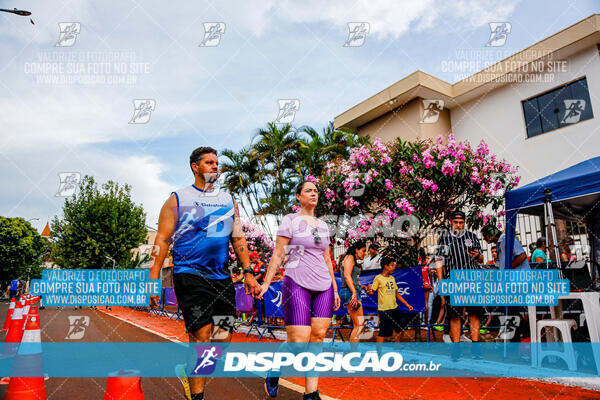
104, 328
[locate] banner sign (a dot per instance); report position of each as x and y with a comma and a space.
410, 287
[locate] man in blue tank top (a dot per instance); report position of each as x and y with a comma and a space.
199, 221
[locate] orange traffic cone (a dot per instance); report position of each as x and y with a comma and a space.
9, 315
15, 332
27, 382
124, 385
26, 306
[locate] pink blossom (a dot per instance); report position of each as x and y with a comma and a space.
311, 178
428, 158
390, 215
405, 169
296, 208
483, 148
350, 202
380, 147
448, 168
428, 184
405, 206
389, 185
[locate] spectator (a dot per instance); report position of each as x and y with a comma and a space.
15, 284
491, 234
459, 248
425, 261
237, 276
350, 292
390, 317
539, 254
279, 275
494, 251
531, 250
339, 263
566, 255
333, 262
373, 259
258, 266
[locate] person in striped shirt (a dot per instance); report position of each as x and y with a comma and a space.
459, 248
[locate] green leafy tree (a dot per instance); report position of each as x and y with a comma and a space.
96, 224
21, 249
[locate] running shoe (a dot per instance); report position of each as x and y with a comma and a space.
180, 371
476, 353
311, 396
272, 386
438, 327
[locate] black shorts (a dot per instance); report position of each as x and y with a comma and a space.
457, 311
200, 299
391, 321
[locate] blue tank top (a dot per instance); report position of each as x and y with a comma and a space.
201, 237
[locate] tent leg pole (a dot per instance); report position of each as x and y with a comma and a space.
550, 214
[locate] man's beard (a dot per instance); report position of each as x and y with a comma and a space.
210, 177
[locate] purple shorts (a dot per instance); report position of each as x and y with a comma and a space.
299, 305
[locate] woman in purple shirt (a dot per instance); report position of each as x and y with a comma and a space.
309, 294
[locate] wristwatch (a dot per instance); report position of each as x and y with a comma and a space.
248, 271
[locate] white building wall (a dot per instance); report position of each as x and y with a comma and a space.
498, 119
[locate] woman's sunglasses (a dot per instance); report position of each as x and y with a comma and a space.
316, 236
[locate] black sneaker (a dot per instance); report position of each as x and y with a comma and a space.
311, 396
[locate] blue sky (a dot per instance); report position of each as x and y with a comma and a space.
220, 95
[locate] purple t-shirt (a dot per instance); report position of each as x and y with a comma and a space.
305, 256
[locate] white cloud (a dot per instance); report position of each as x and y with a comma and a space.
45, 130
388, 18
32, 180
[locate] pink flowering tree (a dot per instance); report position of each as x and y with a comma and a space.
400, 191
257, 242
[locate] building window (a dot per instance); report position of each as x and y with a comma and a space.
559, 107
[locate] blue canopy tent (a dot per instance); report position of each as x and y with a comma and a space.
571, 194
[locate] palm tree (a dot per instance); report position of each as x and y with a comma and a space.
237, 174
318, 149
275, 149
242, 177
